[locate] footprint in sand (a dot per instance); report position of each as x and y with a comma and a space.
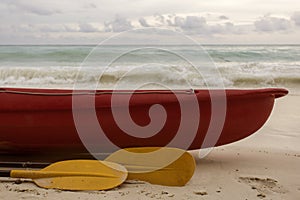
263, 185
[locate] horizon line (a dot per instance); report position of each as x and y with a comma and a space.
208, 44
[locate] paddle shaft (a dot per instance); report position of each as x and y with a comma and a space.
24, 164
4, 173
42, 165
35, 174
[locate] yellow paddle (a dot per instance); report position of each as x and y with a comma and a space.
75, 175
156, 165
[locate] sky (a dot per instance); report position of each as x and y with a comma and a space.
92, 21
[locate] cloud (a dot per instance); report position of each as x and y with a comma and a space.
90, 5
143, 22
119, 24
178, 21
223, 17
57, 28
32, 7
195, 24
160, 18
71, 27
272, 24
77, 19
186, 24
220, 29
190, 23
52, 28
88, 28
296, 18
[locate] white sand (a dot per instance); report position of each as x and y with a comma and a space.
264, 166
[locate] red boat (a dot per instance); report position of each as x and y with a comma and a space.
65, 121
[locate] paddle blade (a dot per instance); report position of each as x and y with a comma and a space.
156, 165
77, 175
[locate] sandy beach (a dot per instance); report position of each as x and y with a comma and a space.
262, 166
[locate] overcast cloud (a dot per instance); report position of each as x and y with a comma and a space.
32, 7
296, 18
272, 24
118, 24
214, 21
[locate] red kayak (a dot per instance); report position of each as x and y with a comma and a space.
63, 121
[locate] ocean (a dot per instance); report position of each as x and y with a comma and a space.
155, 67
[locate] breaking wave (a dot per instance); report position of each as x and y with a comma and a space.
59, 67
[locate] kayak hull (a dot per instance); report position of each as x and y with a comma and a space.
63, 121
